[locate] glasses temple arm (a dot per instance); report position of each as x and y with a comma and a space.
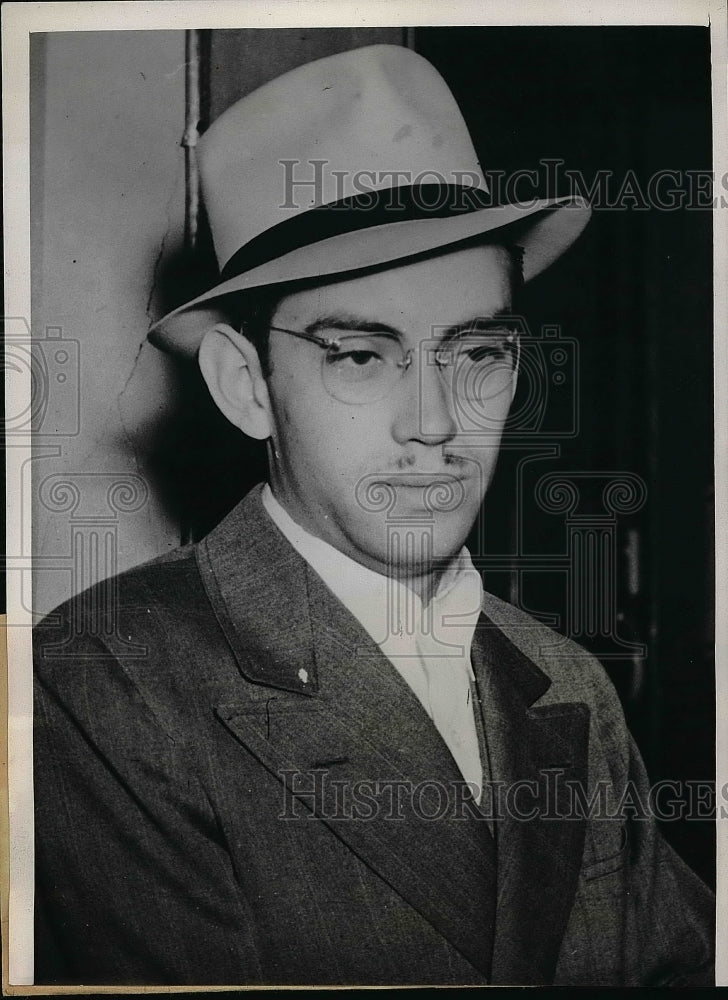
325, 342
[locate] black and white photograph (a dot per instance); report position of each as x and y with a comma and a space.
363, 466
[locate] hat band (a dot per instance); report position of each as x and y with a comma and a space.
363, 211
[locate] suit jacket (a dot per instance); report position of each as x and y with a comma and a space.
199, 722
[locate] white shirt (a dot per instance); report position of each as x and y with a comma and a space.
429, 646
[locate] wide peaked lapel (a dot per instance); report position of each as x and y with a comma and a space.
535, 752
329, 717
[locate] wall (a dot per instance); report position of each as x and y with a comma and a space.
107, 205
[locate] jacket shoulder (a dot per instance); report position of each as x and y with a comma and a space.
147, 640
141, 618
170, 582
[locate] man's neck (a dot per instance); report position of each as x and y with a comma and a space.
423, 584
421, 580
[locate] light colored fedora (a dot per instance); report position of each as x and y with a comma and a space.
354, 161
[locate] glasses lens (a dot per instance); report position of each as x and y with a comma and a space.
479, 366
362, 368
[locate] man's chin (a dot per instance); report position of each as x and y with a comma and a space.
417, 550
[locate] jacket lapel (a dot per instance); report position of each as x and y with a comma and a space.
535, 752
329, 717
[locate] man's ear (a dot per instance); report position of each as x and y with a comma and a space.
231, 368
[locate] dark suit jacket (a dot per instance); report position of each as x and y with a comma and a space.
180, 705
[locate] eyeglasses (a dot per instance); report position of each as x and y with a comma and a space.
478, 364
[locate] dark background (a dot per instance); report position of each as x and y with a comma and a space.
634, 295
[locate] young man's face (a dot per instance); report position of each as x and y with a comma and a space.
394, 481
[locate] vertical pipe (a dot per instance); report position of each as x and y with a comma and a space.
190, 136
192, 179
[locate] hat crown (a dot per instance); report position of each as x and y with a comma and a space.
369, 119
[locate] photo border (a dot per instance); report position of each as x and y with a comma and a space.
22, 19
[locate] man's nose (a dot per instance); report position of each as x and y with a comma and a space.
425, 412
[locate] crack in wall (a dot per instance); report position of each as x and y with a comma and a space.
126, 430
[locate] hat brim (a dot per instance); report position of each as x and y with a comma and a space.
547, 229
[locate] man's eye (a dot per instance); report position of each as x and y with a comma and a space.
477, 353
485, 349
357, 360
357, 357
473, 352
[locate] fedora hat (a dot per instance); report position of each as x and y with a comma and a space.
350, 162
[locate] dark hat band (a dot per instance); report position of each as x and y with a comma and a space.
361, 211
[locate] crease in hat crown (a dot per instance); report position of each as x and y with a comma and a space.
377, 118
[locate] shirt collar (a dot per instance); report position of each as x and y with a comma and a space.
366, 593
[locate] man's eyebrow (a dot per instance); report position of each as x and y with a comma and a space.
360, 324
497, 320
349, 321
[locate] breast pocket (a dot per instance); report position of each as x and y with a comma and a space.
606, 849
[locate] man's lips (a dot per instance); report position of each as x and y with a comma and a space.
436, 491
420, 480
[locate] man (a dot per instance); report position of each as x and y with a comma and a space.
310, 749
